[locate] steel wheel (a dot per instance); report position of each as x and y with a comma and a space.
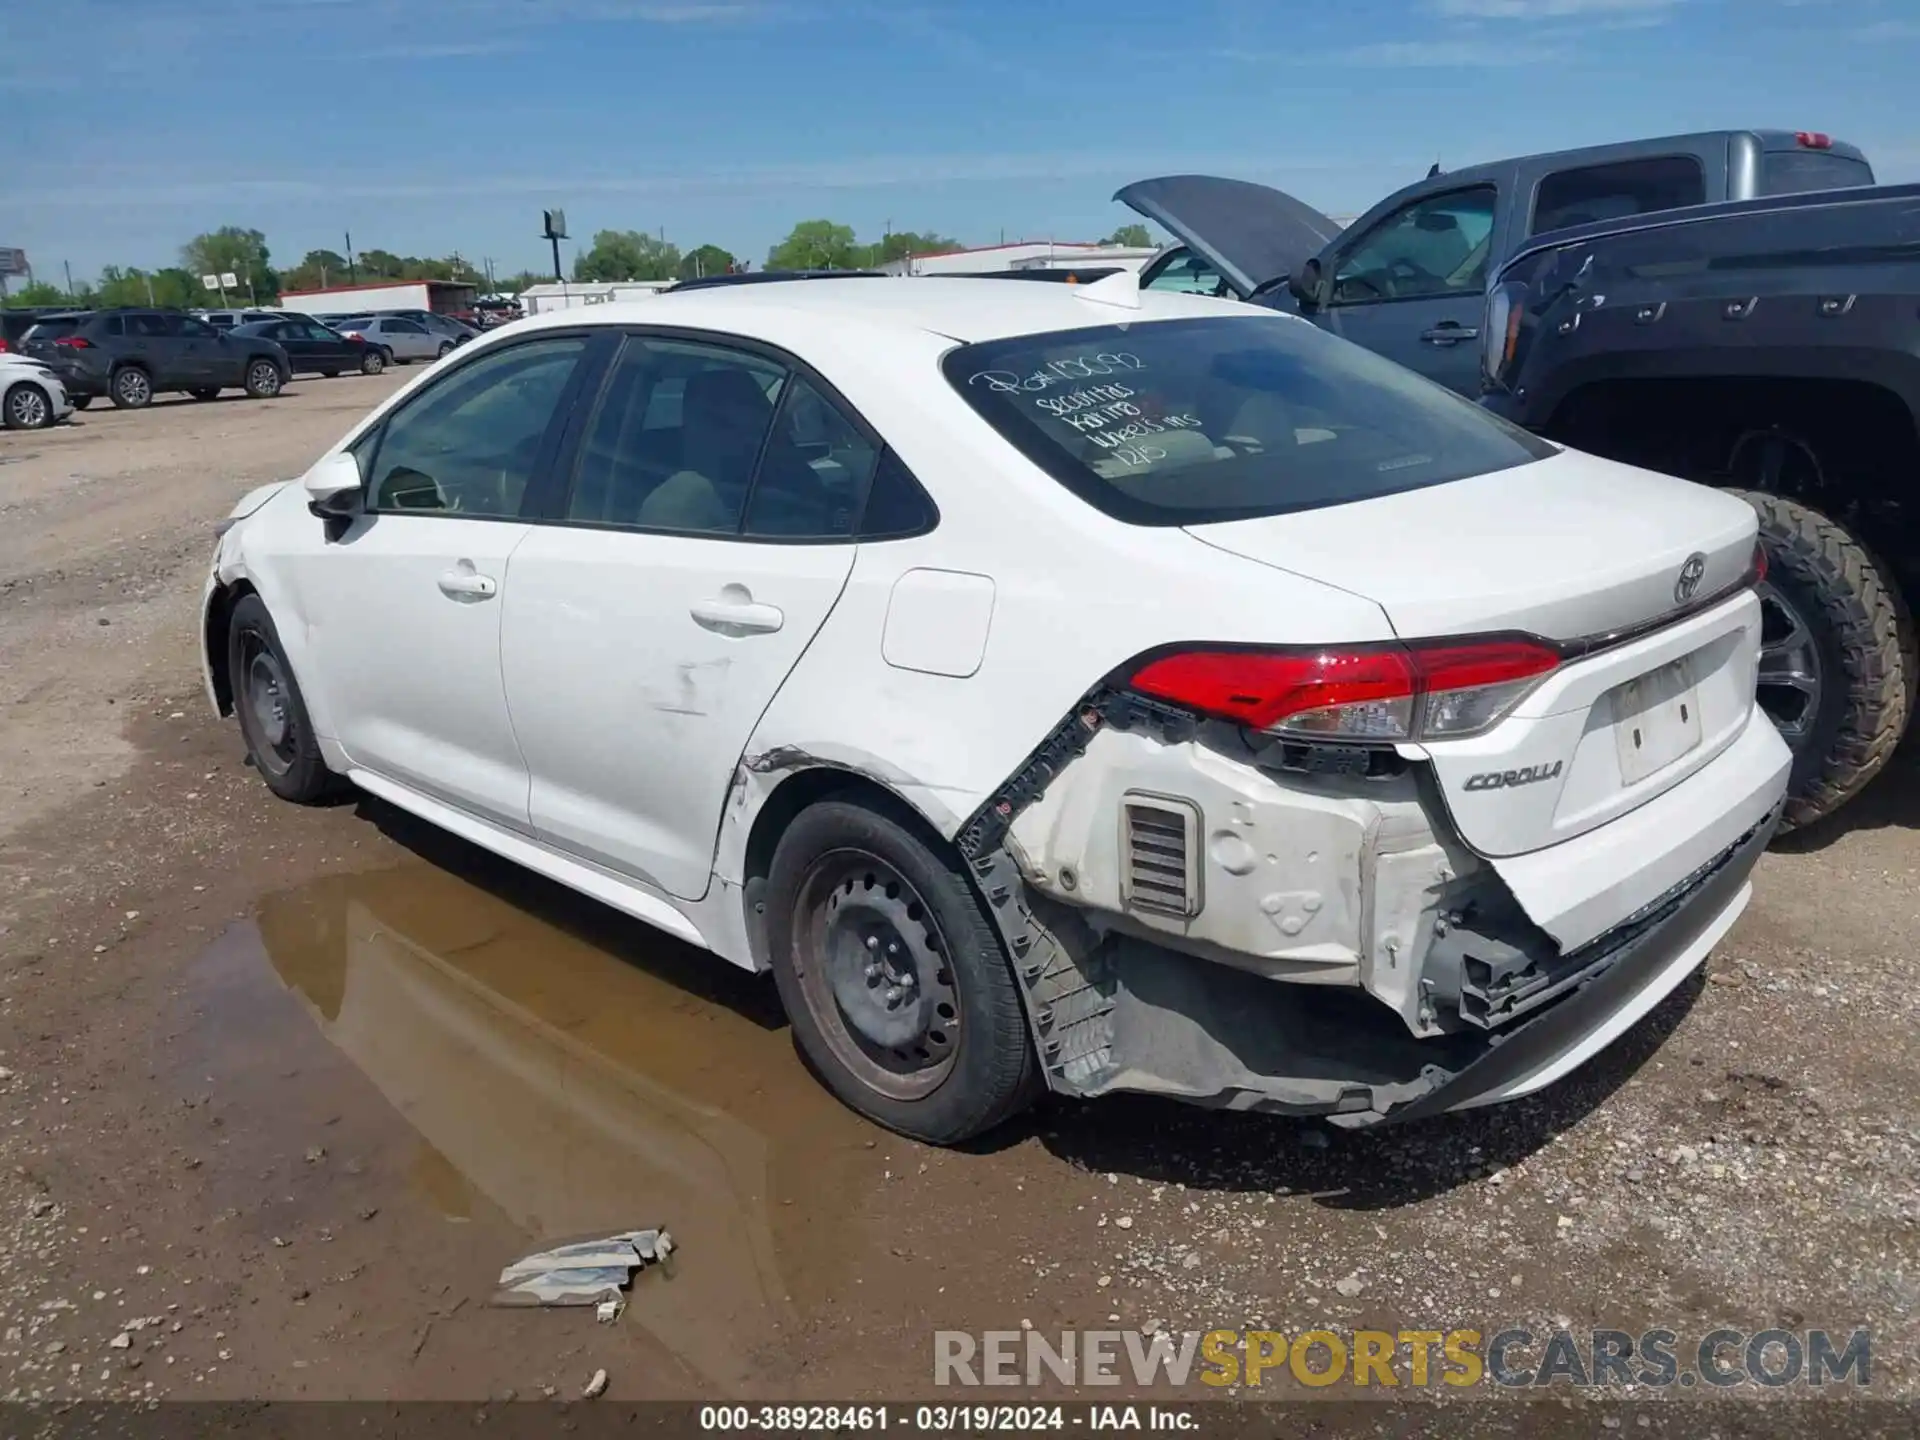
1790, 671
875, 974
267, 717
27, 408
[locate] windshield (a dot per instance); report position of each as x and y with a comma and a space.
1188, 422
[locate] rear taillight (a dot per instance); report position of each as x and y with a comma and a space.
1813, 140
1500, 331
1362, 693
1759, 568
4, 347
75, 342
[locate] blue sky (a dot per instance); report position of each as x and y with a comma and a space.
428, 126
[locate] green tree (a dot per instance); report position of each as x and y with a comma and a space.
706, 260
902, 243
1135, 235
818, 245
627, 255
319, 269
231, 248
37, 294
380, 265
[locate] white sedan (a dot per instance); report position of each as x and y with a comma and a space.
1057, 688
31, 395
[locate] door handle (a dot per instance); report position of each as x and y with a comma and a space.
465, 585
1449, 334
737, 617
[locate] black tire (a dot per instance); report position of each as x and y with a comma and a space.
131, 388
206, 392
372, 363
854, 891
446, 349
80, 402
263, 379
26, 407
272, 712
1858, 635
329, 374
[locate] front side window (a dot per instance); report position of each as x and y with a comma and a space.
147, 327
1611, 192
1434, 247
469, 444
674, 442
1185, 273
1185, 422
196, 329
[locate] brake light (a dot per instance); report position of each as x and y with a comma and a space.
1759, 563
1363, 693
4, 347
74, 342
1814, 140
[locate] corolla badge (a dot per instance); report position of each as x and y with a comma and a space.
1691, 574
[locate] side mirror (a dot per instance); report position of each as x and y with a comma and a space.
332, 486
1304, 284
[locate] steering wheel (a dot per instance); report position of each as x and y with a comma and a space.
1402, 269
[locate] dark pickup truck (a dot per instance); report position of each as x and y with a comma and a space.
1740, 308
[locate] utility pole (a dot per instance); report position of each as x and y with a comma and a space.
353, 271
69, 269
149, 280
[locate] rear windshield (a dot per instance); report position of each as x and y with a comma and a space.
53, 329
1185, 422
1794, 172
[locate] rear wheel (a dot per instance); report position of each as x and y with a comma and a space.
132, 388
372, 363
26, 407
263, 379
80, 402
893, 975
273, 715
1837, 656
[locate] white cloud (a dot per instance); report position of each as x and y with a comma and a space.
1450, 54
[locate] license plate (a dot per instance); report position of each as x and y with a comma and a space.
1656, 720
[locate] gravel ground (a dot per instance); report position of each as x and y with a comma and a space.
281, 1089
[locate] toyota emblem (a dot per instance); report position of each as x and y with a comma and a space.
1691, 574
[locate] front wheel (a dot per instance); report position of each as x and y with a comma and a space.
1837, 656
26, 407
894, 977
263, 380
445, 350
372, 363
80, 402
273, 715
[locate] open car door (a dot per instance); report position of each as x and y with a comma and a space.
1253, 235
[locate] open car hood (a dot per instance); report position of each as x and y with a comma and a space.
1251, 234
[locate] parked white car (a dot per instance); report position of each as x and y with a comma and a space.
31, 395
1054, 687
403, 340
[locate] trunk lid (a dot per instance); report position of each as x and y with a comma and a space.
1576, 550
1252, 234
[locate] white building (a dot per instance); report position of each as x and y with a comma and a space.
1022, 255
565, 294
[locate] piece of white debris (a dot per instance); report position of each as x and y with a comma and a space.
5, 1074
596, 1387
120, 1341
586, 1272
1125, 1222
608, 1310
1350, 1285
143, 1269
1104, 1281
1565, 1222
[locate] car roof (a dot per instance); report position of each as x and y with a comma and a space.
959, 308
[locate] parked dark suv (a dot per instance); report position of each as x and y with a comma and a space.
132, 355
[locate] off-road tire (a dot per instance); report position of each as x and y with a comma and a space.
26, 406
993, 1072
131, 388
293, 769
1865, 638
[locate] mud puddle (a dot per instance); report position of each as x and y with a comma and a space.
559, 1071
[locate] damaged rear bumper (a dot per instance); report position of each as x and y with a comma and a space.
1118, 1013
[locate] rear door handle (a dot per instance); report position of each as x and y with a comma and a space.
1449, 334
737, 617
466, 585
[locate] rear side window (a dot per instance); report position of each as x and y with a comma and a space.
1188, 422
1610, 192
1794, 172
148, 326
54, 329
